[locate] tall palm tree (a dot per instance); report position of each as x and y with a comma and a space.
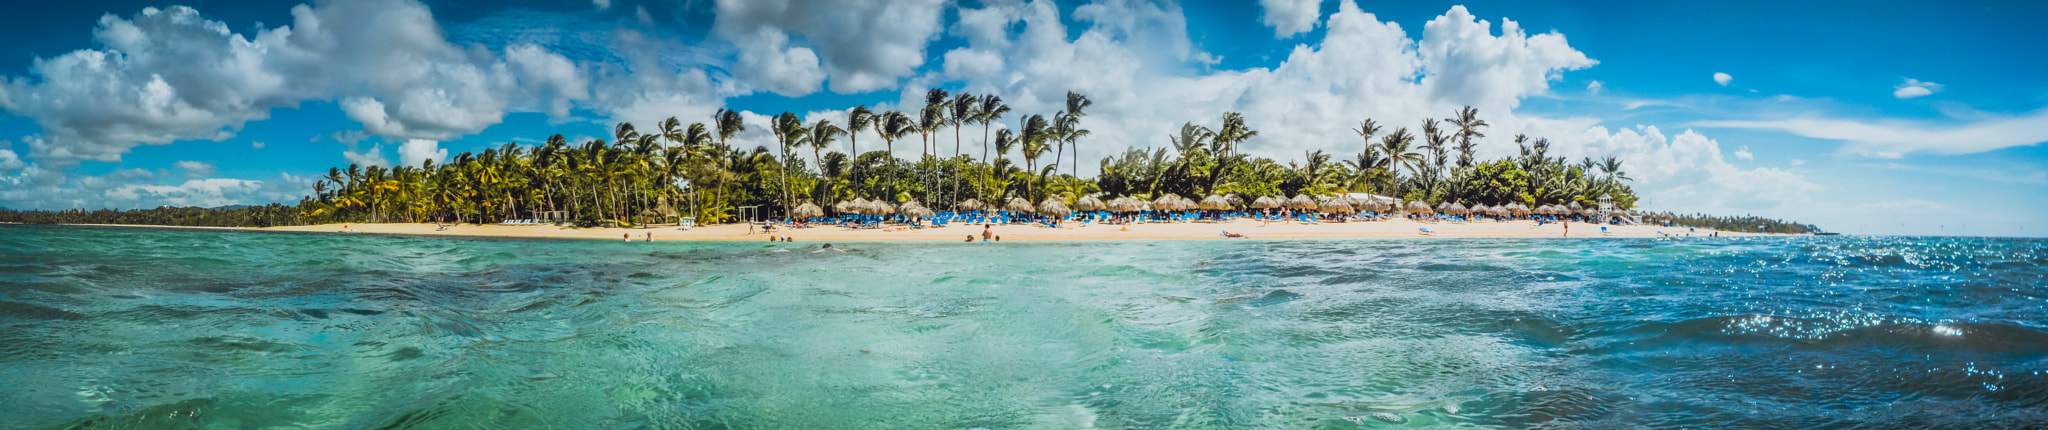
788, 130
965, 108
1366, 129
1036, 132
1468, 123
822, 135
858, 120
1397, 147
992, 110
729, 124
894, 125
1069, 126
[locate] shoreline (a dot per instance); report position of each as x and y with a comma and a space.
1254, 230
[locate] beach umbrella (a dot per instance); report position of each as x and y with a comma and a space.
1574, 207
1053, 208
1089, 203
1123, 204
1588, 212
1420, 207
807, 210
1444, 208
969, 205
1214, 203
1457, 209
1166, 202
841, 206
1336, 205
1018, 204
1235, 201
878, 207
1302, 202
1265, 202
1478, 209
1186, 203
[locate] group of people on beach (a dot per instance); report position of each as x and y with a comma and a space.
987, 232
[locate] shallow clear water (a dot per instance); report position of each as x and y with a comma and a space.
127, 328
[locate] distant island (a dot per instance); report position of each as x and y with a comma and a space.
677, 174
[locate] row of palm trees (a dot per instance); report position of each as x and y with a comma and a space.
692, 170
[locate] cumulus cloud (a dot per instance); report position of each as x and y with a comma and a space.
373, 157
415, 152
9, 161
1595, 87
1896, 138
1686, 173
256, 144
1291, 17
1723, 78
194, 169
862, 45
601, 4
164, 75
1743, 153
1915, 88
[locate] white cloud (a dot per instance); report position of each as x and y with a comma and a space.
194, 169
863, 45
1687, 174
1594, 88
10, 162
256, 144
1796, 162
1722, 78
1895, 138
212, 192
1291, 17
414, 152
601, 4
1743, 153
1914, 88
373, 157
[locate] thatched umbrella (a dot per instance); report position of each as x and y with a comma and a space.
1420, 207
1457, 209
969, 205
1588, 212
1167, 202
1018, 205
1478, 209
1187, 203
879, 207
1214, 203
1302, 202
1336, 205
1234, 200
807, 210
913, 209
1089, 203
1264, 202
1053, 208
1125, 204
842, 207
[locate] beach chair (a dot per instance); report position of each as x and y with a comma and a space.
1603, 231
1426, 232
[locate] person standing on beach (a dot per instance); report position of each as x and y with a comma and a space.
1567, 227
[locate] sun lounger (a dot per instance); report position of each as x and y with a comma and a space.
1426, 232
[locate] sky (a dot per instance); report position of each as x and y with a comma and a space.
1888, 118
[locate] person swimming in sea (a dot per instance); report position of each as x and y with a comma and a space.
827, 247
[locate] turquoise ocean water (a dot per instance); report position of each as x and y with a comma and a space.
140, 328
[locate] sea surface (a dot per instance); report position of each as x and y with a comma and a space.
147, 329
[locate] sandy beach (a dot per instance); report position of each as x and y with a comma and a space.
960, 232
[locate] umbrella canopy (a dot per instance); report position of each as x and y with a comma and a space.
1125, 204
1420, 207
1089, 203
913, 208
1019, 205
1235, 201
1301, 201
1214, 203
968, 205
1574, 206
879, 207
857, 206
1167, 202
1479, 209
1588, 212
1053, 207
1336, 205
1264, 202
807, 210
1458, 209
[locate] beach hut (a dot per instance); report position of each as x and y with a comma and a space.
1053, 208
1089, 204
807, 210
1265, 202
1302, 202
969, 205
1419, 207
1214, 203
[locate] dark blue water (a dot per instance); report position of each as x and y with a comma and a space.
126, 328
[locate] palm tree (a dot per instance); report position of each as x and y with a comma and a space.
858, 120
1366, 129
729, 124
1036, 132
1069, 124
965, 108
1468, 123
788, 130
992, 110
821, 137
894, 125
1396, 146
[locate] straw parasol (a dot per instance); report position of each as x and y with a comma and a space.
842, 207
1166, 202
1235, 201
807, 210
1125, 204
1337, 205
1420, 207
1458, 209
1301, 201
1018, 205
1186, 203
1588, 212
1214, 203
1264, 202
1479, 209
878, 207
1089, 203
914, 209
968, 205
1053, 208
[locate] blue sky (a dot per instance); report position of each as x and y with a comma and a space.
1862, 117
